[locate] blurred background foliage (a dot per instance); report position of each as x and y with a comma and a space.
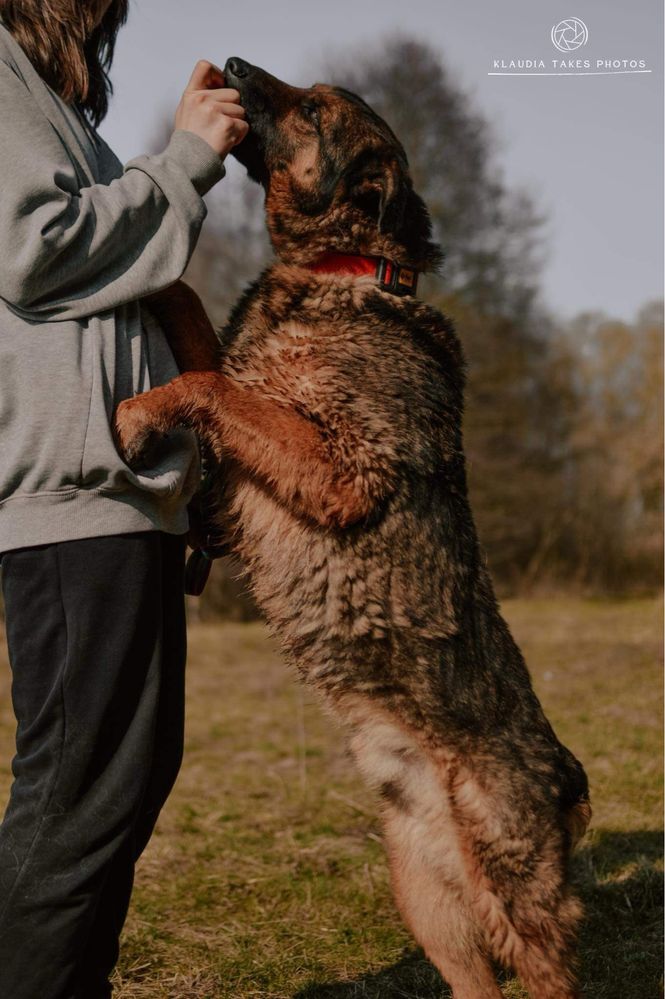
563, 427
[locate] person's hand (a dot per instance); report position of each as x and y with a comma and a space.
211, 110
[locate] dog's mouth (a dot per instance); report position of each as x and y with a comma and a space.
252, 83
259, 92
250, 152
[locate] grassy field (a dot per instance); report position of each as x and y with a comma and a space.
266, 876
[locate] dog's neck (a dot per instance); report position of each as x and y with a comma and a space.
302, 240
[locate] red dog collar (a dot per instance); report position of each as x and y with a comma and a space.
390, 276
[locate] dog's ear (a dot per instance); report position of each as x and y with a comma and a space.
383, 188
394, 191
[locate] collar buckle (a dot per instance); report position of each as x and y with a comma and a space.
396, 279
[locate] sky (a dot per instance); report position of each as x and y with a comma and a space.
588, 148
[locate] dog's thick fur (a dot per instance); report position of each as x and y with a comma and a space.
334, 413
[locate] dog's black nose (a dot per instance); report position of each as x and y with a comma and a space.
237, 67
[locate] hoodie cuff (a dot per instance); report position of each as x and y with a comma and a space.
201, 163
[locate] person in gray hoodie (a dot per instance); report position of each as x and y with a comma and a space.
92, 552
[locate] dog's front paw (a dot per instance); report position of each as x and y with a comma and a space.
132, 428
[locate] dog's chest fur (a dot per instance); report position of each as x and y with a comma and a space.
382, 378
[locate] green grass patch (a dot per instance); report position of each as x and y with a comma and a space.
266, 877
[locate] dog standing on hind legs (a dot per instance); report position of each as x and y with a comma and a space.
333, 412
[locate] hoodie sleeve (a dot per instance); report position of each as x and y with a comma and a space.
68, 251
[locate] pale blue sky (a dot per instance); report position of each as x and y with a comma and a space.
588, 148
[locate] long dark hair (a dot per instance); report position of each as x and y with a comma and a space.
72, 55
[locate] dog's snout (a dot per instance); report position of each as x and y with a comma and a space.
237, 67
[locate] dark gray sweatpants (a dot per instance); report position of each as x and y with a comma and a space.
96, 635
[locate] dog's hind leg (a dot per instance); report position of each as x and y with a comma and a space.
428, 875
430, 894
519, 892
545, 923
469, 882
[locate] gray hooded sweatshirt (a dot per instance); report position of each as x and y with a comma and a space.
82, 239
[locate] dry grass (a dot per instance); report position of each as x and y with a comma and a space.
266, 876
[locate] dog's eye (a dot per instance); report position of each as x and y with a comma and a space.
310, 112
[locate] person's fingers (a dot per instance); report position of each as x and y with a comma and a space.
231, 110
223, 94
212, 110
205, 76
240, 130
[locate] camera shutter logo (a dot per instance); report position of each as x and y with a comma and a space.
570, 34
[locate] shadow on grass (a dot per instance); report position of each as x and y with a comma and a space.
411, 978
618, 878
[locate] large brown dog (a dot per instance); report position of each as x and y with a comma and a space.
334, 415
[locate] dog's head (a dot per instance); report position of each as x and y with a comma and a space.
336, 177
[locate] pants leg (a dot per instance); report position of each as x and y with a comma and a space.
85, 627
101, 953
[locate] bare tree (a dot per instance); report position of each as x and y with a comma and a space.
489, 233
